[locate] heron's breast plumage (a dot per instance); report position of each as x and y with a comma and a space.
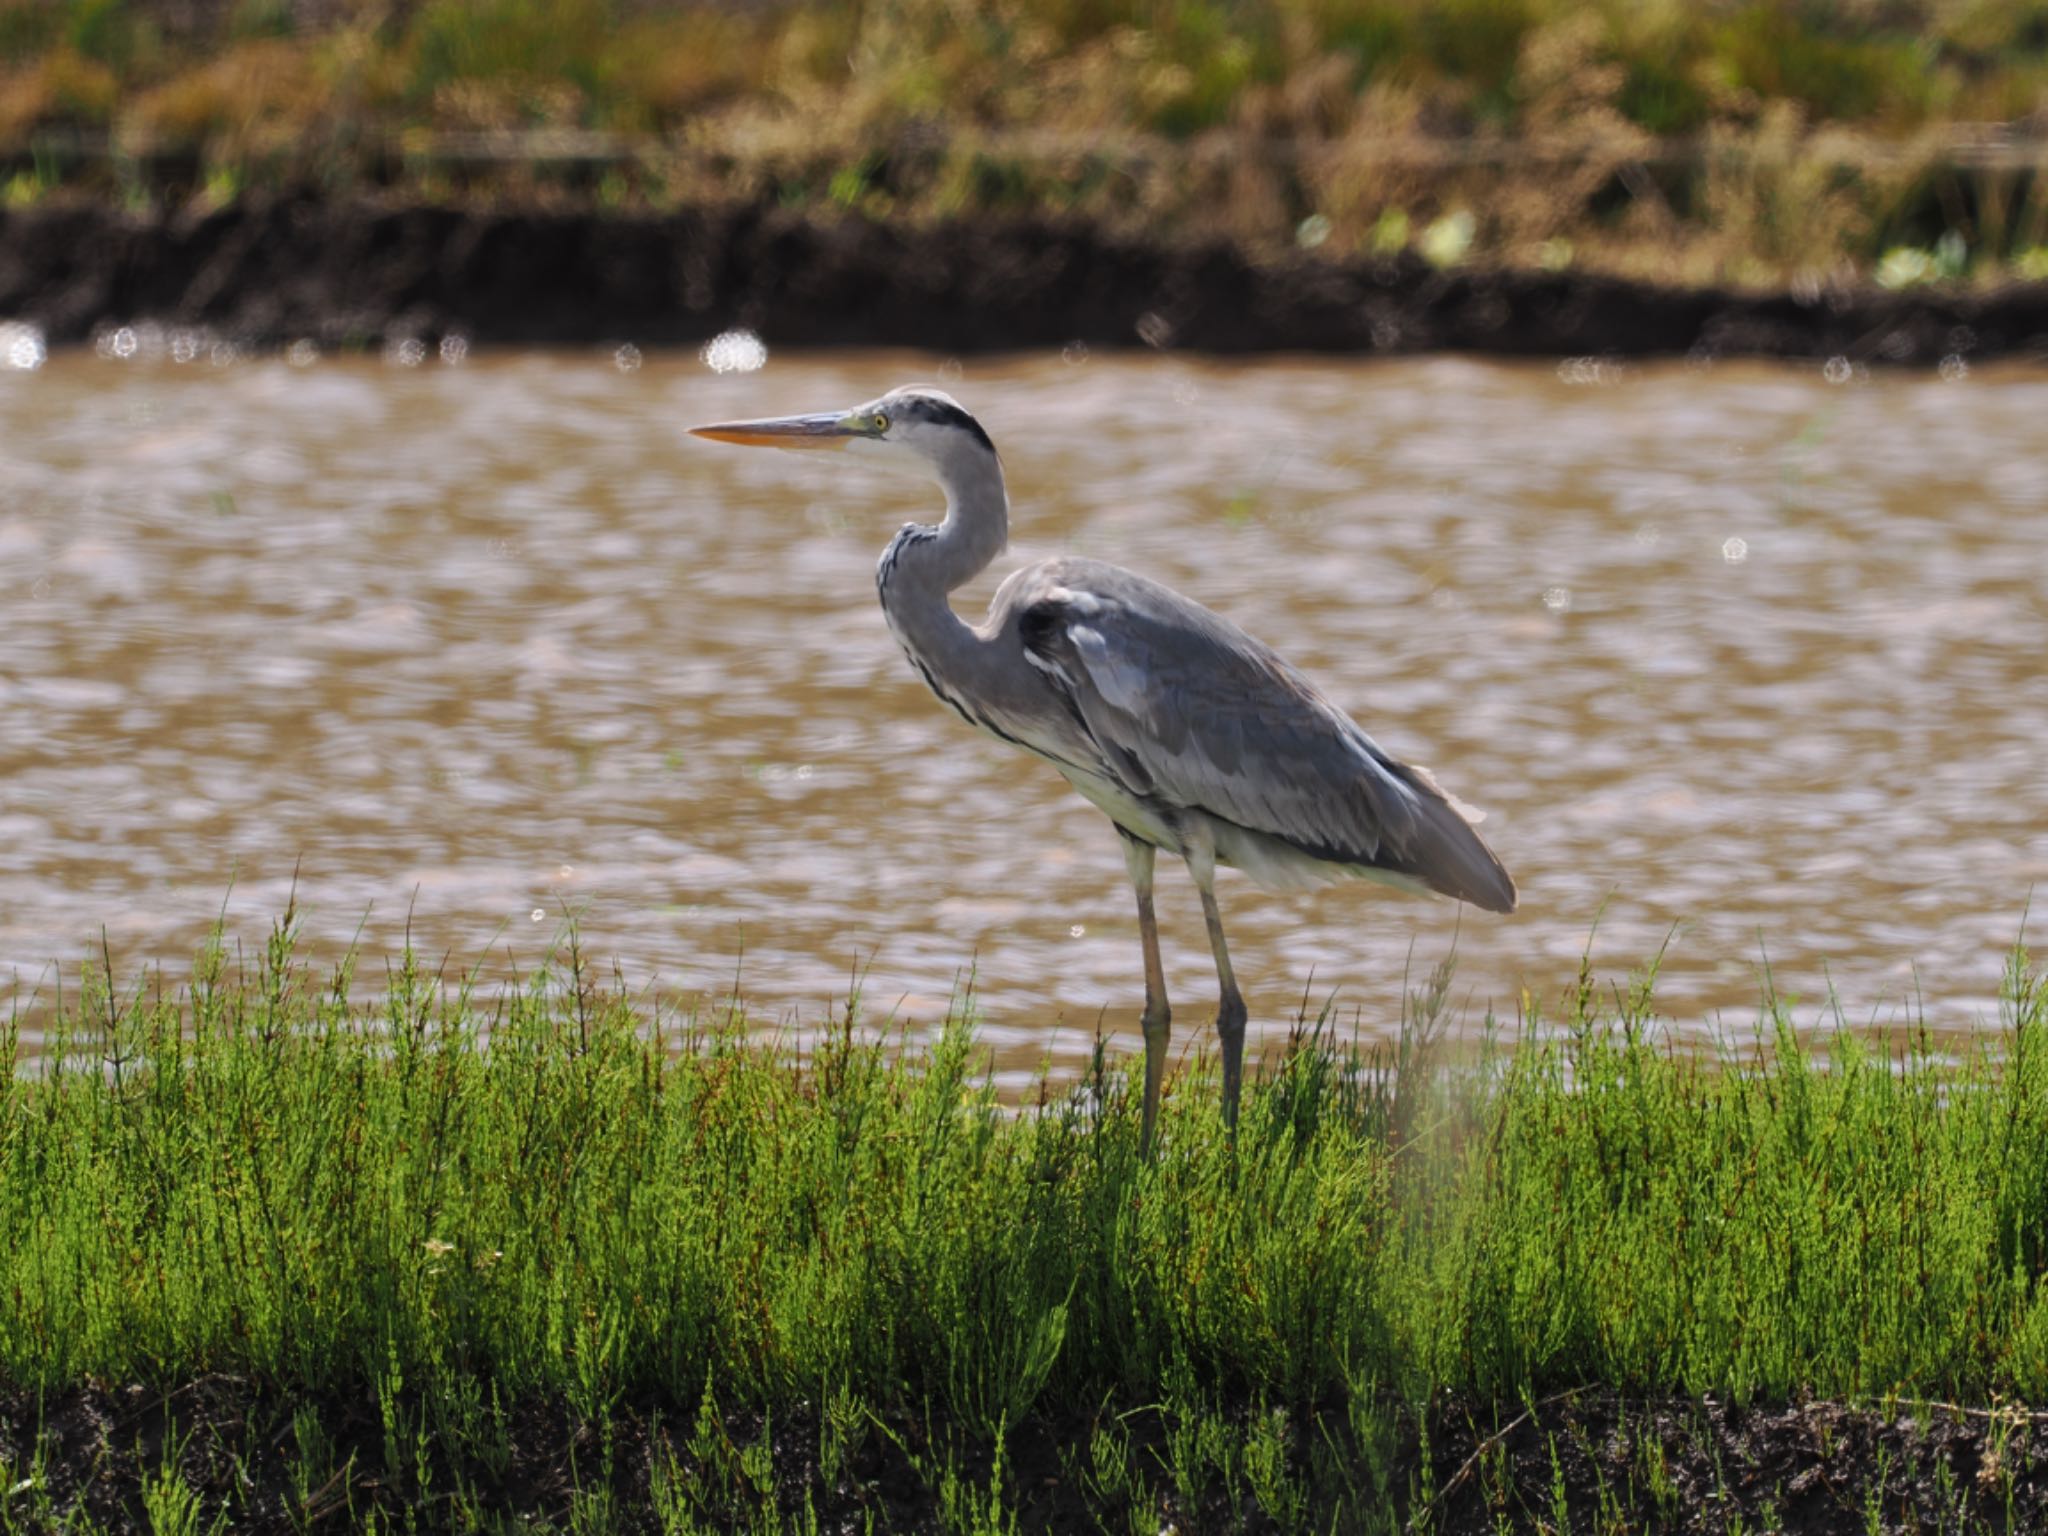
1000, 710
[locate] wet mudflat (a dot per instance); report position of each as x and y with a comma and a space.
1749, 653
344, 271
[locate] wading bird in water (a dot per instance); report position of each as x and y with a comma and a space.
1186, 732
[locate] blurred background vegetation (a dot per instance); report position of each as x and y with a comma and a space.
1760, 142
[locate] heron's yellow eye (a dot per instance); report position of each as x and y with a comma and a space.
881, 422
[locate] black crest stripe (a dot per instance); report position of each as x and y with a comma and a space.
945, 414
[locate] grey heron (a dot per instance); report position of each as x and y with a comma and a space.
1188, 733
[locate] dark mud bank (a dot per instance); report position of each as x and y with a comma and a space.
345, 273
258, 1460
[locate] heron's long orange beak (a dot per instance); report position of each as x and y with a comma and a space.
830, 430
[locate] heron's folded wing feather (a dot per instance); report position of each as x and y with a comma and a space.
1185, 708
1189, 710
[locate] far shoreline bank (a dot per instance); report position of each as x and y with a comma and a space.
357, 273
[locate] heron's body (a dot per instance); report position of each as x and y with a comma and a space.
1229, 747
1186, 732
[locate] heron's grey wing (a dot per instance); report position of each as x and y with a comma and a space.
1187, 709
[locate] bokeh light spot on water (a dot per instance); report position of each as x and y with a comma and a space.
21, 346
119, 344
454, 350
1735, 550
1558, 599
734, 352
1074, 353
1312, 231
1078, 931
1954, 369
950, 370
1836, 370
185, 346
627, 358
826, 518
406, 352
1587, 371
538, 914
302, 353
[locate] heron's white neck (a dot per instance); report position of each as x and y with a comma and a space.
922, 564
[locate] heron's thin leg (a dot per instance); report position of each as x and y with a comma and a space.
1230, 1010
1138, 858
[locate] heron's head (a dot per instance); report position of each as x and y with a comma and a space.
914, 425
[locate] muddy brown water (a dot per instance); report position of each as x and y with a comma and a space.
1740, 652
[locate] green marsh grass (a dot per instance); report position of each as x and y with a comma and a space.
452, 1206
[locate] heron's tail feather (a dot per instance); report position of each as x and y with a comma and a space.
1447, 854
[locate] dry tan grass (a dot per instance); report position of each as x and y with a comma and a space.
1729, 141
60, 87
254, 96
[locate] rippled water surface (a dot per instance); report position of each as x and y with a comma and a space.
1741, 651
